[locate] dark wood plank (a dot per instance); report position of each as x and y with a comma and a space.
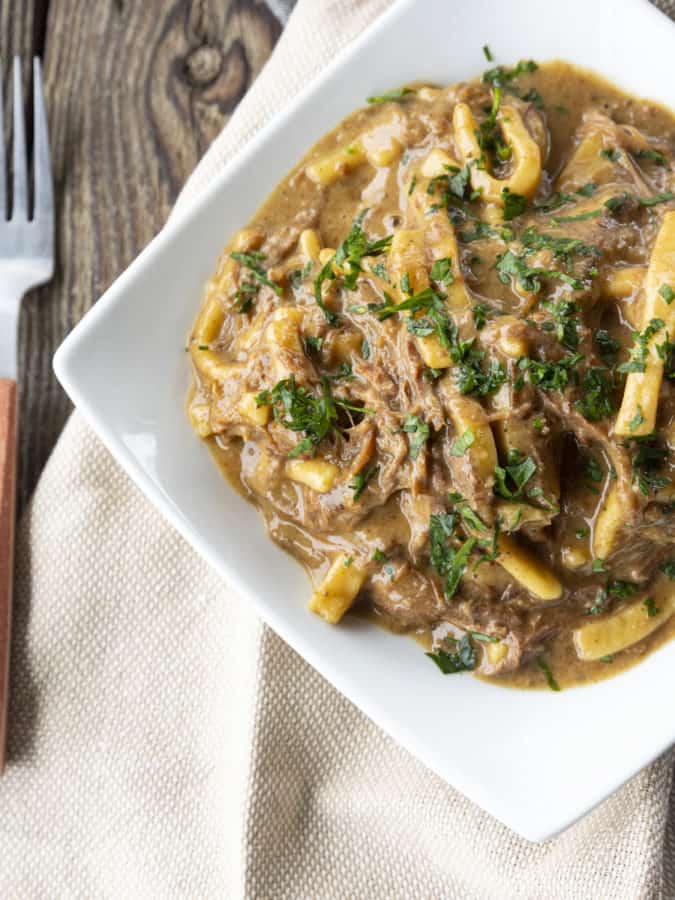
135, 94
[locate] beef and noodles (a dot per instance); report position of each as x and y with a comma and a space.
438, 360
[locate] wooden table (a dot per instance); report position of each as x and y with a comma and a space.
136, 90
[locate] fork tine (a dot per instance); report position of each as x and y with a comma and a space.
3, 171
44, 189
20, 186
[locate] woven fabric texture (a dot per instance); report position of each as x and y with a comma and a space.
165, 744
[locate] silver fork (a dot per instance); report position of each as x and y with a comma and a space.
26, 260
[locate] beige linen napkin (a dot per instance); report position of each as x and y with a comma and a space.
164, 744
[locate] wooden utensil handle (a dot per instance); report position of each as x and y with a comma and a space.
8, 425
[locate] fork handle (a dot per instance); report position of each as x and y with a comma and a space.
8, 431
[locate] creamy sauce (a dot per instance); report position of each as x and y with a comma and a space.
373, 363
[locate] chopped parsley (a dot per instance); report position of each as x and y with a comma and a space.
546, 669
489, 134
564, 323
511, 266
252, 263
653, 155
299, 410
667, 293
297, 276
579, 217
563, 248
463, 660
651, 607
510, 480
638, 354
647, 466
533, 96
348, 257
361, 481
514, 204
549, 376
637, 420
596, 402
484, 638
668, 568
501, 76
488, 53
313, 345
587, 190
379, 556
441, 271
618, 589
448, 559
424, 300
598, 565
418, 432
461, 444
592, 469
390, 96
611, 153
555, 201
607, 346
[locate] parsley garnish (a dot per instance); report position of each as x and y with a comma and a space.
251, 262
500, 75
510, 480
348, 256
549, 376
592, 469
667, 293
461, 444
313, 344
611, 153
421, 301
638, 354
587, 190
441, 271
651, 607
509, 266
564, 323
654, 155
545, 668
647, 464
607, 346
597, 388
361, 481
617, 588
488, 53
390, 96
419, 434
449, 561
514, 204
668, 568
580, 217
464, 660
555, 201
379, 556
298, 410
637, 419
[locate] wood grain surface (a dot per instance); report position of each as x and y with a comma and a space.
7, 498
135, 93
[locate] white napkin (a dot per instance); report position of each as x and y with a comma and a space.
165, 744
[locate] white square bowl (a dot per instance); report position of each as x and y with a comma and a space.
535, 760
